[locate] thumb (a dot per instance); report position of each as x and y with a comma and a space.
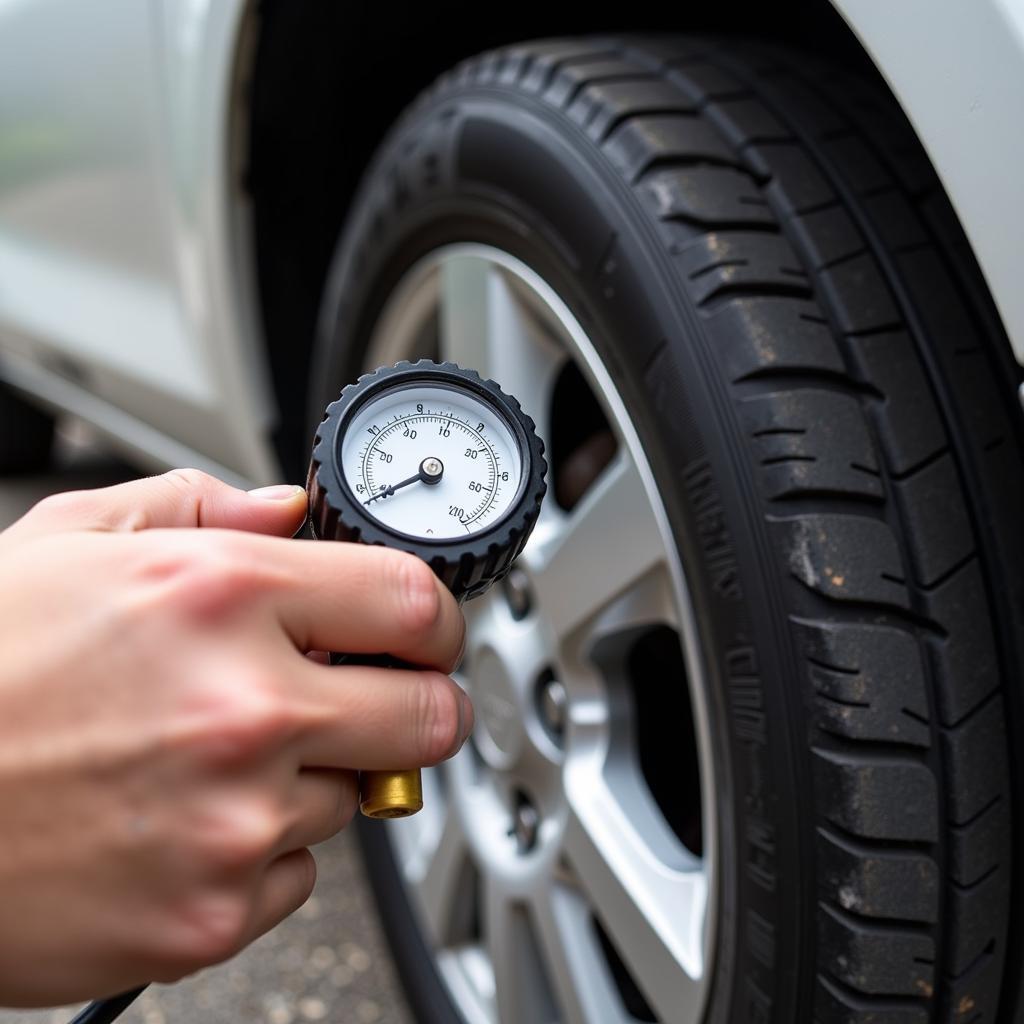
181, 498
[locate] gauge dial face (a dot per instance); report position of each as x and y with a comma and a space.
430, 461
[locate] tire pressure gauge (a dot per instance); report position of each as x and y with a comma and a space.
427, 458
431, 459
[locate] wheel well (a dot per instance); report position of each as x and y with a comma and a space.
327, 81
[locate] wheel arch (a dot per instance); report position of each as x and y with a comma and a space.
961, 93
307, 143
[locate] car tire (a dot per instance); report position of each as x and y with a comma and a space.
26, 434
769, 271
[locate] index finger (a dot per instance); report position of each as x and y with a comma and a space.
180, 498
358, 599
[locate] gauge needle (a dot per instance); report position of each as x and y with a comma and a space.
430, 472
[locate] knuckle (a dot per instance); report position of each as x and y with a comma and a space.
189, 479
308, 825
237, 837
305, 875
347, 802
66, 505
209, 928
346, 811
202, 578
239, 719
438, 717
419, 597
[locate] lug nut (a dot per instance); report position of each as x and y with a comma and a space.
525, 823
517, 593
552, 704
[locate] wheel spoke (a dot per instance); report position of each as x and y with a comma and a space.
439, 876
583, 987
485, 326
582, 561
434, 857
521, 983
463, 312
652, 911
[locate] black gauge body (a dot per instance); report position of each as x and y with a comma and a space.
467, 564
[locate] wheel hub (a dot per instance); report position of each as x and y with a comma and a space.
505, 658
500, 735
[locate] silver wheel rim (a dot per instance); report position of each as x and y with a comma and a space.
599, 848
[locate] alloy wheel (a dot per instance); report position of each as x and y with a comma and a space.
564, 864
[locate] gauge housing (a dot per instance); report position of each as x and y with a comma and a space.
468, 564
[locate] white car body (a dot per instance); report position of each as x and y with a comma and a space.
127, 289
957, 70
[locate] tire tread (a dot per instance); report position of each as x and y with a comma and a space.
804, 222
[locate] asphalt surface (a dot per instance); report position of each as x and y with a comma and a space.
328, 962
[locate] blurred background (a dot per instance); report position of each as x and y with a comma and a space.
328, 962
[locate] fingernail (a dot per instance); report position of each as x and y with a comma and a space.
462, 653
465, 723
278, 492
465, 717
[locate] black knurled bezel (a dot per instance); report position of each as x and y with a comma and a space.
466, 565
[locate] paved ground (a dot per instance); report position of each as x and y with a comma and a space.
327, 963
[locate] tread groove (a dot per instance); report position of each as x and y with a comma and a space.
860, 1001
795, 378
779, 460
618, 121
720, 265
918, 466
725, 293
976, 709
983, 955
977, 883
830, 667
977, 816
779, 431
875, 610
927, 588
814, 499
863, 846
832, 699
895, 924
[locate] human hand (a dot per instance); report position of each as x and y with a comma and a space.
167, 753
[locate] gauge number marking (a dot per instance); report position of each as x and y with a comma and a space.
410, 426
